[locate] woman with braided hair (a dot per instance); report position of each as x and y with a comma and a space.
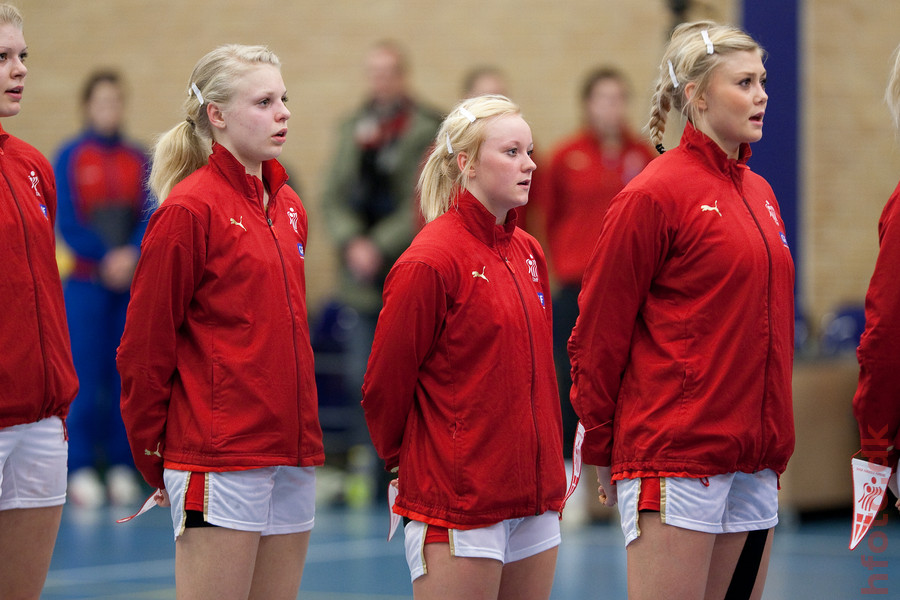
682, 353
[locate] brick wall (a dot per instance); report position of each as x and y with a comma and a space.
850, 158
849, 150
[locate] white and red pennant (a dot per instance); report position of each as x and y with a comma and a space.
870, 483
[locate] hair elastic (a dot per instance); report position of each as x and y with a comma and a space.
449, 147
709, 44
467, 114
660, 148
197, 93
672, 75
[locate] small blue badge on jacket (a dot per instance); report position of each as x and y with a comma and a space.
46, 213
300, 250
541, 298
783, 239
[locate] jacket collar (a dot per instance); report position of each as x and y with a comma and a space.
711, 154
249, 186
3, 136
482, 223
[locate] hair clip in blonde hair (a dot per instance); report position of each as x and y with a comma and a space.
467, 114
449, 147
672, 75
709, 44
197, 93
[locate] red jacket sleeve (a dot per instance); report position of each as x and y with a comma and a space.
630, 250
408, 329
876, 404
169, 270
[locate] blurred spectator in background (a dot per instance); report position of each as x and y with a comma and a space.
368, 202
584, 172
103, 210
483, 80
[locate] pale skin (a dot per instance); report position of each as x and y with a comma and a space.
668, 561
216, 563
27, 537
500, 176
687, 564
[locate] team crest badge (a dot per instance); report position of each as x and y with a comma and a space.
35, 181
532, 267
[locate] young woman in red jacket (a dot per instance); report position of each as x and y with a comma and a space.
218, 392
37, 378
876, 405
460, 390
682, 353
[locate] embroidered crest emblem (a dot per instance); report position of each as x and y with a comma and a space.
293, 216
239, 223
532, 268
772, 214
35, 181
708, 208
301, 250
482, 275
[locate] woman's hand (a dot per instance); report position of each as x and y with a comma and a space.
607, 489
162, 498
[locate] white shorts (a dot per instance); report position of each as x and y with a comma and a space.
33, 459
270, 500
506, 541
725, 503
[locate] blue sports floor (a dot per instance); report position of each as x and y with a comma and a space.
350, 559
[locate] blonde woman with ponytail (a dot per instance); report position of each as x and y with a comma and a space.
460, 393
218, 390
682, 351
875, 403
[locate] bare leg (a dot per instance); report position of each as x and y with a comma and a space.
457, 578
530, 578
279, 566
215, 563
726, 553
27, 537
667, 561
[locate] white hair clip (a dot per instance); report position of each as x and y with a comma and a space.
709, 44
197, 93
449, 147
672, 75
467, 114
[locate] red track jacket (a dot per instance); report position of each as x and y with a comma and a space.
216, 364
683, 348
460, 390
37, 378
877, 401
582, 181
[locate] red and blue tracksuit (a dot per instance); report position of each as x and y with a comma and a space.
103, 205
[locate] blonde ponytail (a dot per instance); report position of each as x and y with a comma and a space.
187, 146
462, 131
